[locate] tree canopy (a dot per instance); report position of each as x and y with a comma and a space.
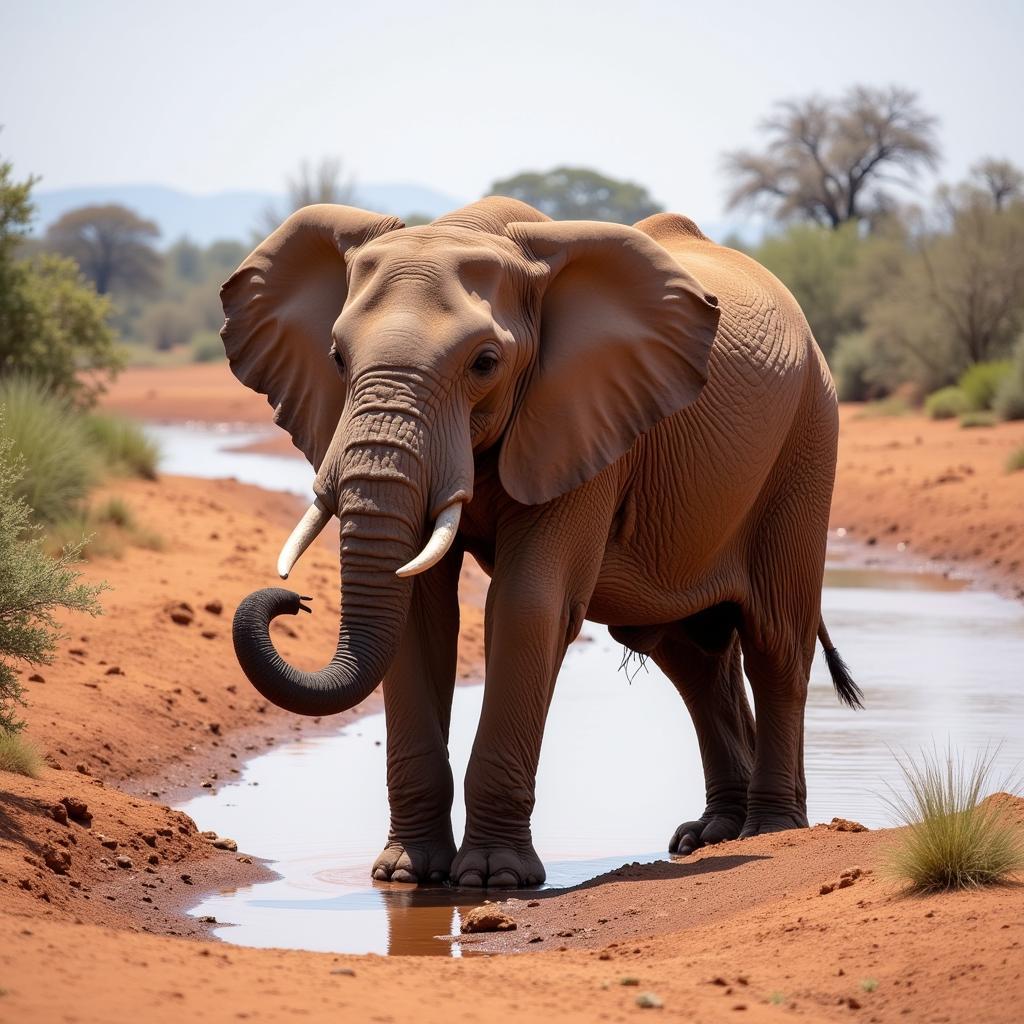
53, 325
579, 193
832, 161
111, 244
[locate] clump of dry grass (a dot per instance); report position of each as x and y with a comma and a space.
953, 839
19, 754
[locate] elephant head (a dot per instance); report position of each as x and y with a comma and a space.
396, 356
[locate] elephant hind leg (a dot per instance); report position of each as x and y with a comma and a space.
701, 656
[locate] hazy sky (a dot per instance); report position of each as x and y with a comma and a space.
229, 95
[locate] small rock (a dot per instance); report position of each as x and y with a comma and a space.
209, 634
488, 918
344, 972
214, 607
82, 768
852, 1003
186, 878
536, 938
649, 1001
533, 903
208, 919
57, 860
36, 678
215, 728
110, 844
851, 873
77, 810
59, 813
629, 982
225, 844
826, 889
244, 860
124, 862
845, 825
115, 670
149, 838
153, 858
181, 613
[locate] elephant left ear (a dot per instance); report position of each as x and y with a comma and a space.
625, 338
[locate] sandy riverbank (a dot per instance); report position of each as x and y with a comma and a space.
152, 708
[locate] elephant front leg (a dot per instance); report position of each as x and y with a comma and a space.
528, 629
417, 701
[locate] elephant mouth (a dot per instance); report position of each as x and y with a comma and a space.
318, 515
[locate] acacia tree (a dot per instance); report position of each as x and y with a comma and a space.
1001, 180
579, 193
111, 244
832, 161
323, 182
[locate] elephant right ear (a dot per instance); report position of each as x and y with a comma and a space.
280, 307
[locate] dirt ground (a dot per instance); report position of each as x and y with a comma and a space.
145, 704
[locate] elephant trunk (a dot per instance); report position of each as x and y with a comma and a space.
374, 604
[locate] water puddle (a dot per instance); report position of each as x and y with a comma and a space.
620, 767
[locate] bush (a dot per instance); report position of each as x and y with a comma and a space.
57, 466
207, 348
978, 419
32, 586
122, 445
851, 364
946, 404
1015, 462
892, 405
19, 755
953, 838
980, 382
1009, 400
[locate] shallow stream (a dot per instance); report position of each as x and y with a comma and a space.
939, 664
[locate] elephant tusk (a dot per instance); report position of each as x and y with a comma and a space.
436, 548
313, 520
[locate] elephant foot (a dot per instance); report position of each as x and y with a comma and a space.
422, 863
497, 867
710, 828
760, 823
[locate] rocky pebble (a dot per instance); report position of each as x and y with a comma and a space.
488, 918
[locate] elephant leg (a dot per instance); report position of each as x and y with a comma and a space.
417, 703
778, 667
702, 659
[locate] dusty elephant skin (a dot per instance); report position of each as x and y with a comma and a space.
627, 425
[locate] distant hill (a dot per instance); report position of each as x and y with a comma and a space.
225, 214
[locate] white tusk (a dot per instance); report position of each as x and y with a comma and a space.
313, 520
436, 548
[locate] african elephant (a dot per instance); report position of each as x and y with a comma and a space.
631, 425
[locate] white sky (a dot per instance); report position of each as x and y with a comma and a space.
231, 95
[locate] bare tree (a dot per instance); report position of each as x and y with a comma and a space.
325, 182
831, 161
1002, 180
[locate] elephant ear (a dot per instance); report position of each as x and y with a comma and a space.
280, 307
625, 337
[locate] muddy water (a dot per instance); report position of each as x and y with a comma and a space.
619, 770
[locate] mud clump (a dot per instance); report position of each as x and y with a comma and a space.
488, 918
844, 881
845, 825
214, 607
181, 613
57, 860
77, 810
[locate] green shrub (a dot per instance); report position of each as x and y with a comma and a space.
57, 464
946, 404
953, 839
19, 755
892, 405
978, 419
1015, 462
122, 445
207, 347
1009, 400
32, 587
851, 363
980, 382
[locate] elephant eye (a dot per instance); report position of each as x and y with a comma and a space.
338, 361
485, 364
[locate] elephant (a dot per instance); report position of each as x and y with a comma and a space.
628, 425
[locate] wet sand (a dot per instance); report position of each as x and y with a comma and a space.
738, 929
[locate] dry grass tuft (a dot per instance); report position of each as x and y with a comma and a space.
954, 839
19, 755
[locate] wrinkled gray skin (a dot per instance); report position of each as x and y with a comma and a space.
641, 431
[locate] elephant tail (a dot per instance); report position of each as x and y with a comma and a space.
846, 689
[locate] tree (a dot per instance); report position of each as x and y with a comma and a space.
325, 182
1000, 179
32, 586
112, 245
53, 325
578, 193
830, 160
